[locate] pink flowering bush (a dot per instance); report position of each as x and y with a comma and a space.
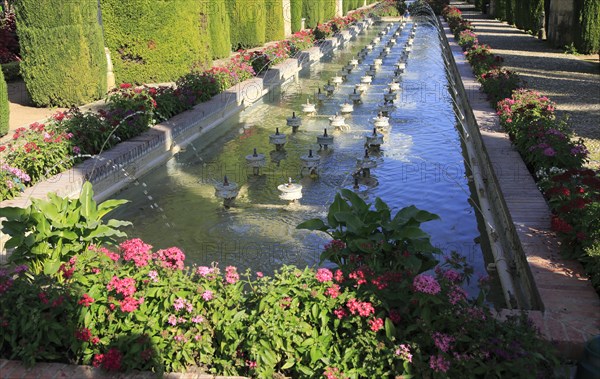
499, 84
131, 307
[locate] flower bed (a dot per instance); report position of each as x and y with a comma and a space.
548, 147
381, 313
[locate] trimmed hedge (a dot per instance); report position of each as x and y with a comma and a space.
156, 40
64, 63
589, 19
311, 10
218, 23
296, 11
4, 111
274, 20
329, 9
247, 22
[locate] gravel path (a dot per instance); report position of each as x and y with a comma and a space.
570, 81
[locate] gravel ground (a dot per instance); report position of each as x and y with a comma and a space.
573, 82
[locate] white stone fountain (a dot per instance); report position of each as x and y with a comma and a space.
365, 164
361, 87
321, 96
381, 122
291, 192
387, 49
355, 96
256, 161
337, 80
346, 108
374, 140
325, 140
310, 162
337, 121
376, 40
308, 108
329, 88
227, 191
394, 86
377, 62
386, 108
371, 71
294, 122
278, 139
353, 62
389, 96
369, 47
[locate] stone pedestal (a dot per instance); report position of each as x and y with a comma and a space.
287, 18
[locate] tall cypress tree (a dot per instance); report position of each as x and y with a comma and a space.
64, 63
218, 23
589, 19
296, 11
4, 110
274, 20
247, 23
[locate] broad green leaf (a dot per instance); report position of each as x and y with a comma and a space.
109, 205
13, 213
352, 222
338, 205
390, 329
358, 204
313, 224
51, 267
410, 232
88, 204
288, 364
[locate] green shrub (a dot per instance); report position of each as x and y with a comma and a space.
11, 71
62, 50
247, 23
296, 11
329, 9
589, 18
218, 23
274, 20
155, 41
4, 111
345, 7
311, 12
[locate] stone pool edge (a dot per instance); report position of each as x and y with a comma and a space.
569, 306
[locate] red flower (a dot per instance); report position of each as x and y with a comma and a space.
125, 85
86, 300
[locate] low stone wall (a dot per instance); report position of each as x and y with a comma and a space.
563, 304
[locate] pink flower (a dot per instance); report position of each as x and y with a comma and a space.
231, 275
207, 295
456, 295
125, 286
129, 304
259, 274
333, 291
172, 320
197, 319
204, 271
376, 323
86, 300
426, 284
442, 341
404, 352
549, 152
83, 334
153, 275
438, 363
324, 275
136, 250
171, 258
340, 313
339, 276
362, 308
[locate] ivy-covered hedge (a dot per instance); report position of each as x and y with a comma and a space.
274, 20
155, 40
62, 49
589, 20
4, 111
296, 11
220, 39
247, 23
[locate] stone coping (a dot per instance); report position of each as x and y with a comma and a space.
569, 309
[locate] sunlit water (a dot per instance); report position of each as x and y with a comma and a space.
421, 163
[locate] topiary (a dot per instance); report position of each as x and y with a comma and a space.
296, 13
274, 20
220, 38
311, 12
156, 41
62, 50
4, 111
247, 23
